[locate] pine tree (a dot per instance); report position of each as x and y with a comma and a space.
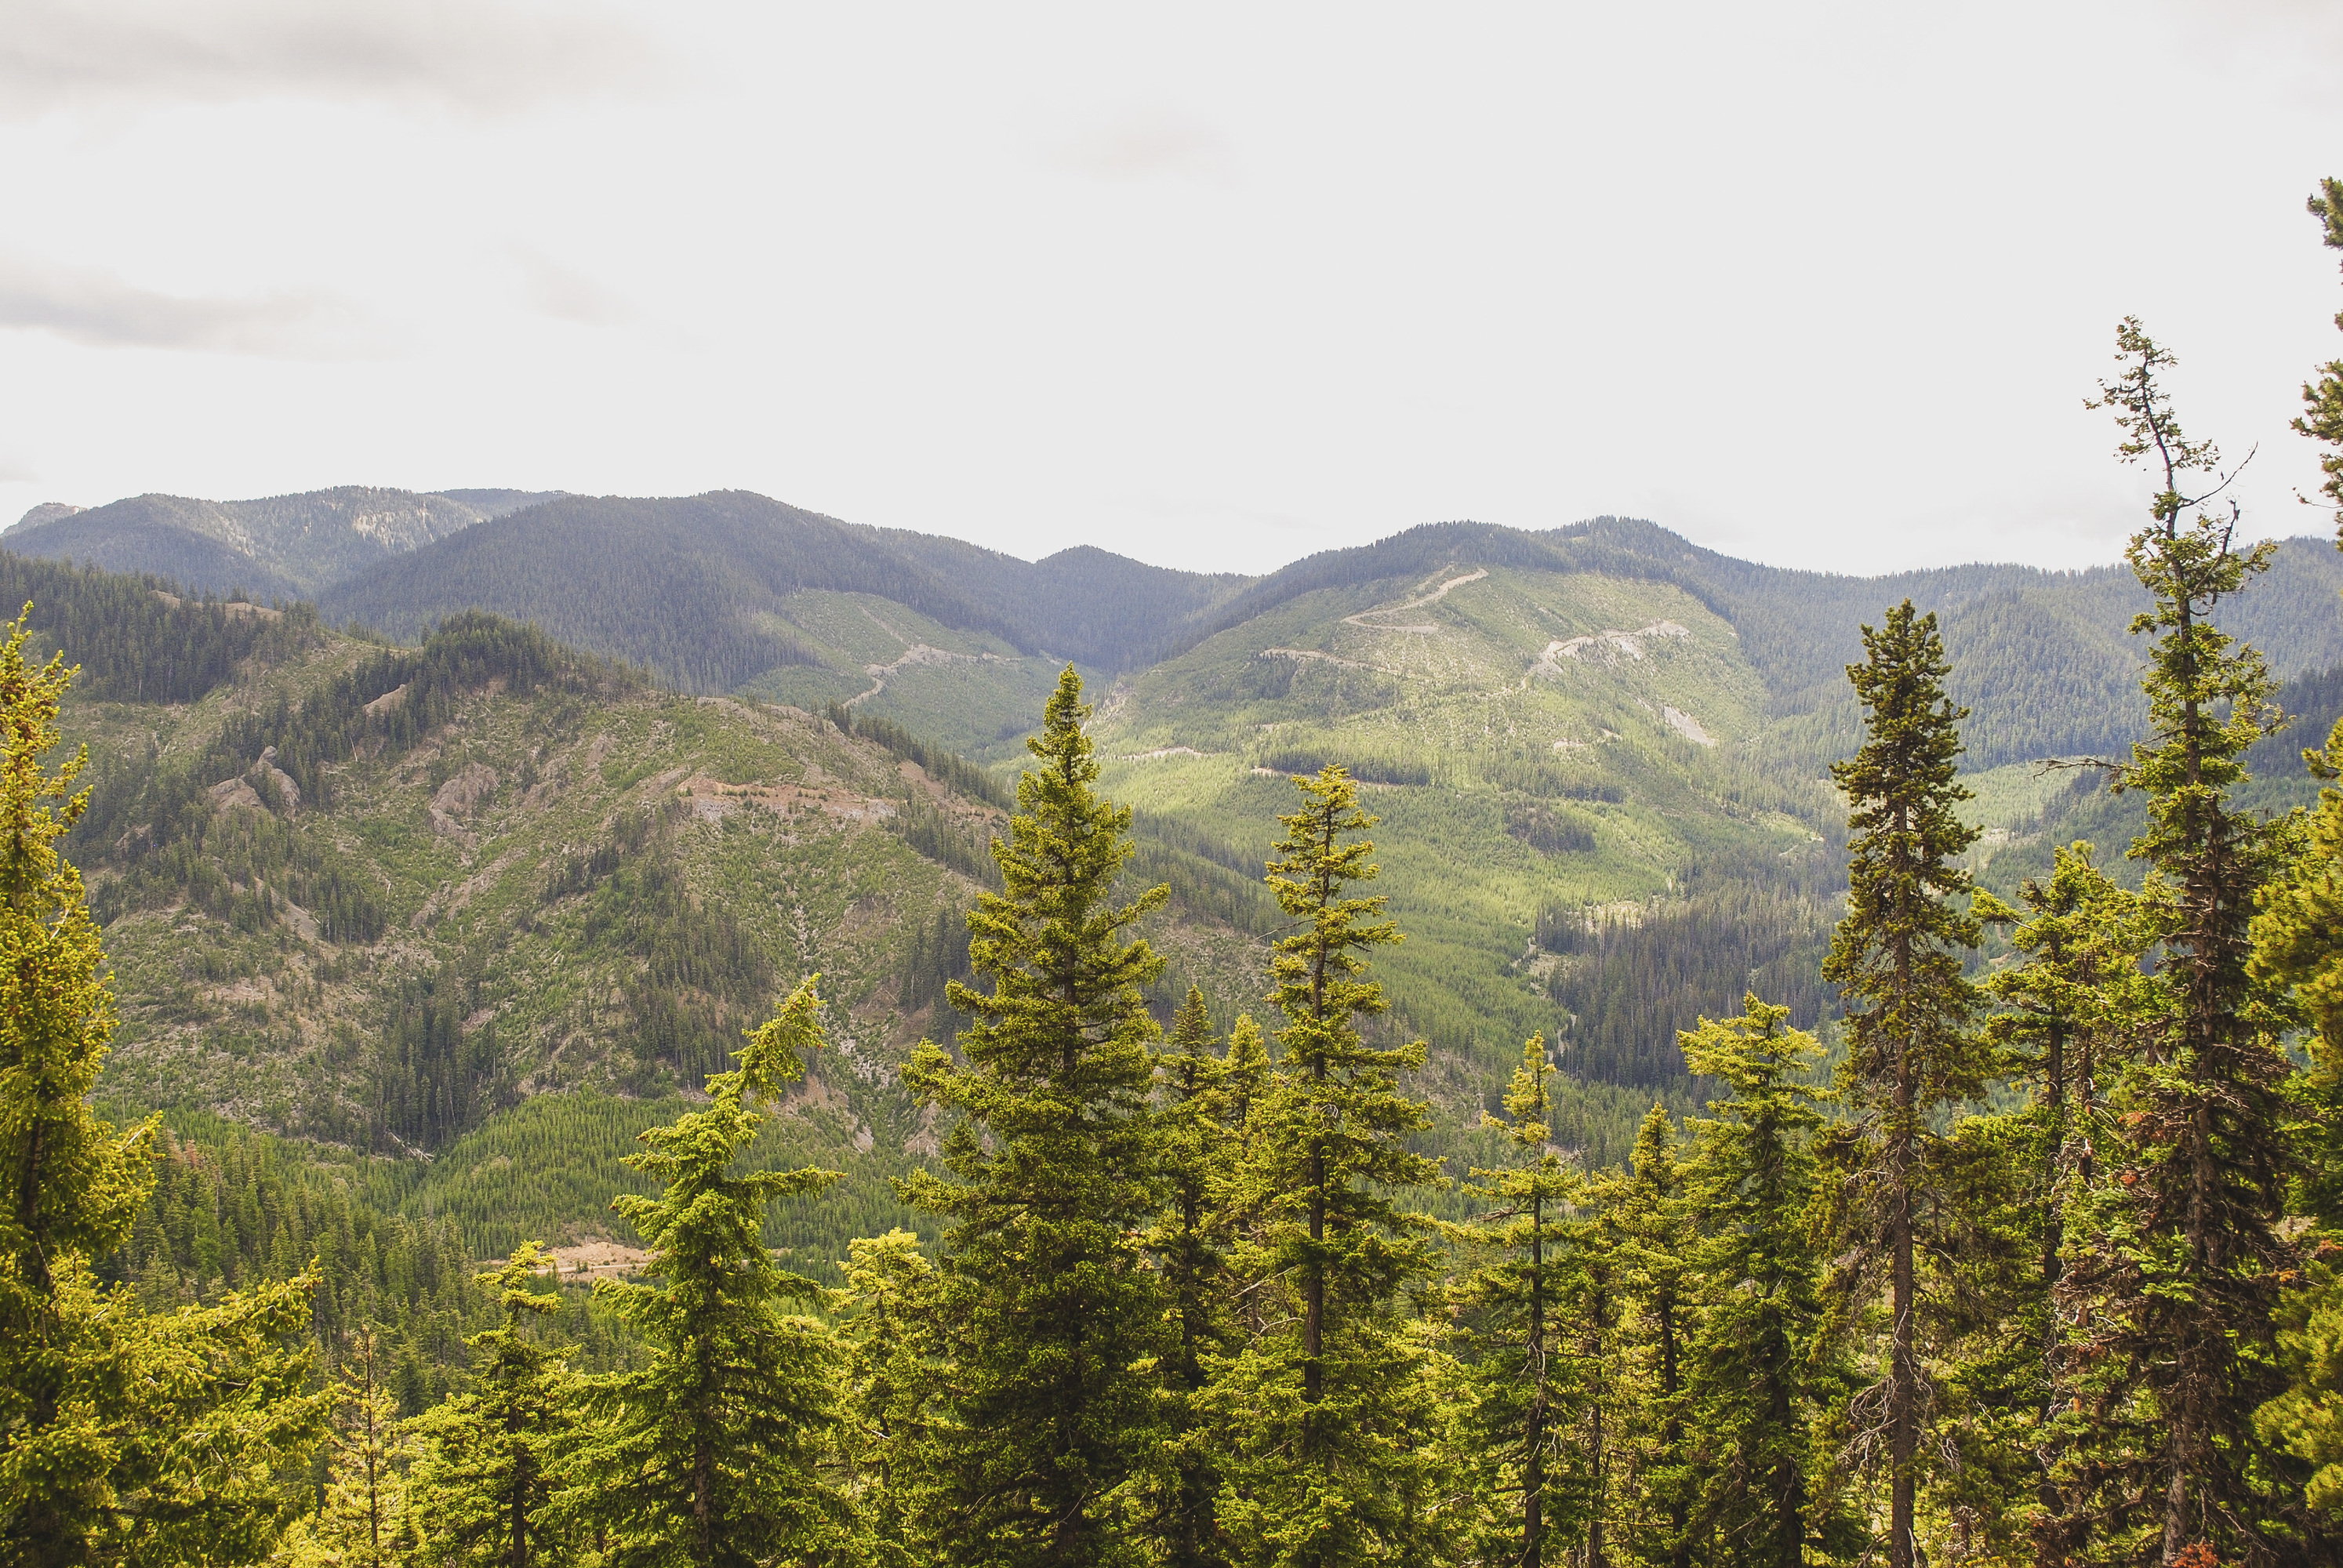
2066, 1025
1188, 1248
1757, 1376
2298, 943
1327, 1416
486, 1480
709, 1453
891, 1365
122, 1433
1048, 1313
2179, 1290
1512, 1310
1658, 1237
1911, 1052
2322, 419
366, 1520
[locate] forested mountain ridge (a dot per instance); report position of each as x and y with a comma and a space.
729, 591
380, 899
278, 547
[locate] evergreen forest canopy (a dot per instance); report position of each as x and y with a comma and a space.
2004, 1229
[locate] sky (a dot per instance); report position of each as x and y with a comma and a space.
1215, 287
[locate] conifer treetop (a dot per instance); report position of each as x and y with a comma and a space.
2322, 398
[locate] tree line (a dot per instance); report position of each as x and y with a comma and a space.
2043, 1272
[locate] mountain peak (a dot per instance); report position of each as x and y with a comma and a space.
48, 512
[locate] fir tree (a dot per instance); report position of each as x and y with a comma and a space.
2068, 1010
1512, 1310
1656, 1222
2322, 419
123, 1435
1909, 1006
1048, 1313
1757, 1377
366, 1520
2298, 943
709, 1453
2178, 1285
889, 1410
1327, 1423
486, 1480
1189, 1259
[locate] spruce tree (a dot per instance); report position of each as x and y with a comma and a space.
1911, 1049
1656, 1223
166, 1437
366, 1520
1512, 1308
1327, 1415
1759, 1376
1048, 1312
2322, 418
889, 1405
2068, 1007
709, 1453
1190, 1260
487, 1476
2298, 943
2179, 1290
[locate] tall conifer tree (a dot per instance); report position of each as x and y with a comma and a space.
2183, 1279
709, 1454
1758, 1377
1048, 1313
366, 1520
1327, 1423
1658, 1228
487, 1474
1197, 1147
123, 1435
2298, 943
889, 1405
1513, 1308
1911, 1049
2070, 1010
2322, 398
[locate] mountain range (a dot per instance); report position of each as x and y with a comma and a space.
403, 886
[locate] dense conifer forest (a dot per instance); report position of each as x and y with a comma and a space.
1876, 1198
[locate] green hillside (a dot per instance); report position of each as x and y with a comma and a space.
279, 546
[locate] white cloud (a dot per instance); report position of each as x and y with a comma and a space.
98, 309
1145, 144
567, 294
484, 56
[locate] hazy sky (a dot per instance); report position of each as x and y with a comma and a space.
1823, 284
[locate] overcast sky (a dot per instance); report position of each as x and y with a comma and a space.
1822, 285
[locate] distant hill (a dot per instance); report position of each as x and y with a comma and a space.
279, 546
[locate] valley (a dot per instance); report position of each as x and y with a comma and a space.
410, 901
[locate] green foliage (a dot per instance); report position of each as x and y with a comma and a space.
1189, 1242
135, 640
708, 1452
1329, 1427
485, 1482
1911, 1052
1046, 1309
1762, 1379
2177, 1261
1540, 1267
2322, 419
954, 772
367, 1519
123, 1435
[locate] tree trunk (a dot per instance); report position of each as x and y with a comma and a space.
1533, 1471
